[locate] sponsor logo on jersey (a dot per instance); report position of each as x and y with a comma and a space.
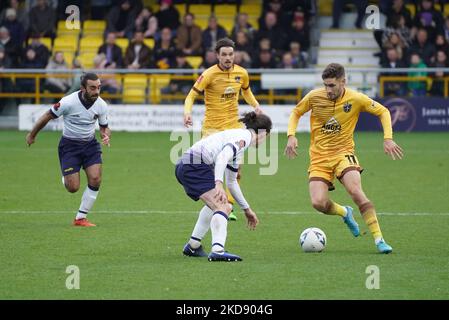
56, 106
331, 127
347, 107
229, 94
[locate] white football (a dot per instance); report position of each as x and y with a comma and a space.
312, 240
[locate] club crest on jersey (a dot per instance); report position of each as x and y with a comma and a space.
347, 107
96, 117
241, 144
237, 79
56, 106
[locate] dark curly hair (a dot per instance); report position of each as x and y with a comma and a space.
256, 122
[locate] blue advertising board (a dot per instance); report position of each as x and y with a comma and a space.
411, 114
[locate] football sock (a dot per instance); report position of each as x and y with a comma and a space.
87, 201
369, 215
334, 208
219, 226
231, 199
201, 227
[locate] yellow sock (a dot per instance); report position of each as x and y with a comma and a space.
370, 217
231, 199
335, 209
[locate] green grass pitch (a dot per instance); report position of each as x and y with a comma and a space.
144, 219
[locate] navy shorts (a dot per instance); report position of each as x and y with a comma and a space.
74, 154
196, 177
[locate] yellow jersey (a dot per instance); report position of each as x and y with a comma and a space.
221, 90
332, 123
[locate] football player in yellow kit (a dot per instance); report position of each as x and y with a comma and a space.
221, 85
334, 114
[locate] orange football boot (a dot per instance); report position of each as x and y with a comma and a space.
83, 223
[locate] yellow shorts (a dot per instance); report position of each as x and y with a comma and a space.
327, 168
205, 132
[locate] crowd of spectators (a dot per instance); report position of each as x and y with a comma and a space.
416, 41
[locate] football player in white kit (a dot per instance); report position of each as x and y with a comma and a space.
78, 146
200, 171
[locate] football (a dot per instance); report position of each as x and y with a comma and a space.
312, 240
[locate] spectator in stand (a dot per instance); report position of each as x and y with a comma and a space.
419, 87
179, 86
337, 9
168, 16
287, 62
446, 28
210, 58
299, 57
111, 50
121, 18
265, 60
109, 81
138, 55
12, 50
395, 12
423, 47
430, 19
242, 24
76, 76
276, 7
393, 62
98, 8
57, 84
265, 44
395, 41
43, 19
22, 14
42, 52
441, 61
273, 31
299, 31
28, 85
441, 43
165, 50
400, 28
146, 22
242, 43
15, 28
396, 9
212, 34
189, 36
242, 59
5, 83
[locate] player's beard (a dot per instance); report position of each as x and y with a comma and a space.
90, 98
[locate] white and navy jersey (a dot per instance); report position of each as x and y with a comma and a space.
80, 116
210, 147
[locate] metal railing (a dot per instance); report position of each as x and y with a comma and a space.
156, 79
153, 81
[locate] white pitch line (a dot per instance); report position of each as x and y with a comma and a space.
189, 212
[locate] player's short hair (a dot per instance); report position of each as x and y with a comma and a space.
256, 122
88, 76
224, 42
333, 70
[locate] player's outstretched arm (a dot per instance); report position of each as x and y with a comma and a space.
393, 149
291, 148
41, 123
